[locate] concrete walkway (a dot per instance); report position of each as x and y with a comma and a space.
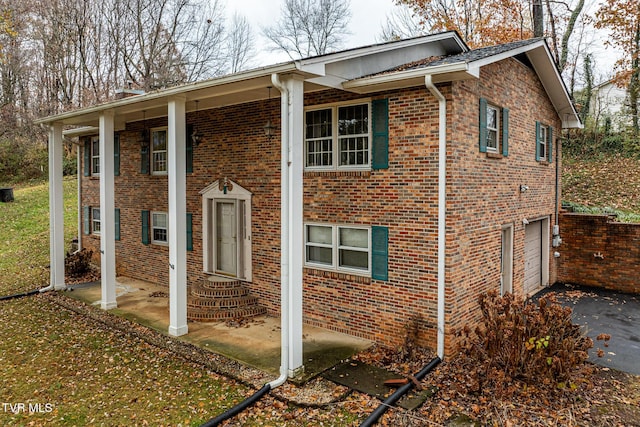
255, 342
600, 311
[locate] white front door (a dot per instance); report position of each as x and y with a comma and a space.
226, 237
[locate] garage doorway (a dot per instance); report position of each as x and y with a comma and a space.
536, 256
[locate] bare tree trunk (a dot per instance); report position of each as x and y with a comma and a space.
538, 19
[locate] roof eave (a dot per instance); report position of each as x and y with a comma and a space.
410, 78
148, 100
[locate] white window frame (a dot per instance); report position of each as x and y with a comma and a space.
153, 152
542, 141
336, 138
96, 224
336, 248
153, 227
95, 158
495, 129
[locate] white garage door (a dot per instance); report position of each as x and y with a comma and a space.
533, 257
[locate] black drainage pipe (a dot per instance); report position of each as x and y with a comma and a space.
20, 295
391, 400
238, 408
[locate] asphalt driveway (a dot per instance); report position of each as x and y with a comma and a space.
600, 311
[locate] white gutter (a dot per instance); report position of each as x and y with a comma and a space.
284, 232
457, 67
442, 211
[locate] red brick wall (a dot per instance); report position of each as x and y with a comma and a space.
483, 192
482, 196
597, 251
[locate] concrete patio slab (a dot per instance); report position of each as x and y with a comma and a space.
255, 342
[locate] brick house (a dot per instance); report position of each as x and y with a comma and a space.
352, 191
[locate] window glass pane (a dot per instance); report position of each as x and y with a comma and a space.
319, 234
353, 119
492, 118
159, 140
354, 259
319, 255
318, 124
96, 147
96, 214
160, 220
159, 235
356, 238
354, 151
492, 139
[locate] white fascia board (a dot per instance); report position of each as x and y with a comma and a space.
408, 75
162, 95
554, 85
309, 64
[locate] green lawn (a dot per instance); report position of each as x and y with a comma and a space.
24, 236
73, 370
61, 368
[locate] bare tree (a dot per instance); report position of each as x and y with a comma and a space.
310, 27
240, 44
402, 24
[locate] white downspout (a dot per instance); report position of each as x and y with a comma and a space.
284, 232
79, 183
442, 208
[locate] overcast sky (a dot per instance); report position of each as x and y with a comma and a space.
366, 26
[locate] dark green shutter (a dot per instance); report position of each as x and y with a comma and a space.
380, 253
86, 214
483, 126
550, 144
144, 160
87, 157
380, 127
116, 220
505, 132
189, 232
145, 227
116, 154
189, 148
538, 141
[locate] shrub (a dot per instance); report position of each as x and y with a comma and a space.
78, 263
523, 341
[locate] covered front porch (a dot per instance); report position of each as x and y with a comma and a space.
253, 341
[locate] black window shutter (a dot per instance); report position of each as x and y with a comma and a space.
116, 154
380, 128
505, 132
86, 214
380, 253
550, 144
87, 157
117, 223
189, 232
483, 126
145, 227
189, 148
538, 141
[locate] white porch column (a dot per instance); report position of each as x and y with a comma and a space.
176, 153
295, 88
56, 208
107, 214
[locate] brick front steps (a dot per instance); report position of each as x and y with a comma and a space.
218, 298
